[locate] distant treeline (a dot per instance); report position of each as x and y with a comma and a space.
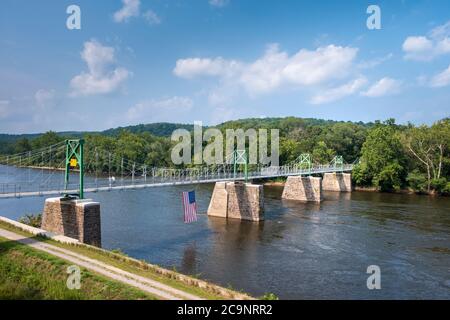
390, 156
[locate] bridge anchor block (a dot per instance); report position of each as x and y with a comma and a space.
74, 218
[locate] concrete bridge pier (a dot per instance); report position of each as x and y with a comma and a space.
74, 218
303, 188
336, 181
237, 200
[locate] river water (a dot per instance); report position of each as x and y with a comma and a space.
301, 250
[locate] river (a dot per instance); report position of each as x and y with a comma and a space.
301, 250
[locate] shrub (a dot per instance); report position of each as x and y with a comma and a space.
361, 175
417, 181
269, 296
390, 177
33, 220
447, 188
439, 184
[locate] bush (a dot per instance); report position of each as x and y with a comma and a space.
269, 296
417, 181
361, 175
447, 188
439, 184
34, 220
390, 177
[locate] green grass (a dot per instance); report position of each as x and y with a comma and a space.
123, 262
269, 296
119, 261
27, 273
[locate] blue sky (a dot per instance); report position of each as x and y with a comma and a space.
215, 60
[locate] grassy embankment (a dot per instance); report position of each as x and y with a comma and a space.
43, 276
30, 274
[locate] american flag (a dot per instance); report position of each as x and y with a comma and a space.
190, 207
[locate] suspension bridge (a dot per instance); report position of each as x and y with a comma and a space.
72, 168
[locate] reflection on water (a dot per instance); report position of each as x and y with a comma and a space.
301, 250
189, 258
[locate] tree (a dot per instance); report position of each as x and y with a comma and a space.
417, 180
47, 139
346, 139
383, 161
441, 133
429, 146
289, 150
322, 154
22, 145
390, 177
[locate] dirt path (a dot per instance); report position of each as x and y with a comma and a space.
145, 284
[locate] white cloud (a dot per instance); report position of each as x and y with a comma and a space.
151, 17
102, 76
442, 79
418, 48
193, 67
441, 31
383, 87
443, 46
339, 92
274, 69
426, 48
305, 68
417, 44
158, 110
218, 3
130, 9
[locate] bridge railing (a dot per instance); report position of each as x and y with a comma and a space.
166, 176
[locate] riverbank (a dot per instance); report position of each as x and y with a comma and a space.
120, 277
368, 189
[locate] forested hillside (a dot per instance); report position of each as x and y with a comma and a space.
161, 129
390, 156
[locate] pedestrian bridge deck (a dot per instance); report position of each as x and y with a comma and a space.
170, 177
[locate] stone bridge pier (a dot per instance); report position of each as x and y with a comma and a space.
237, 200
308, 188
303, 188
74, 218
337, 181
